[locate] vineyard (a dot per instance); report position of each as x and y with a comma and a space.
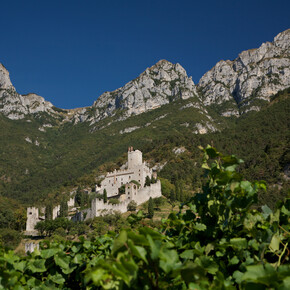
218, 240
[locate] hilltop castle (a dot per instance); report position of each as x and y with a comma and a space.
132, 180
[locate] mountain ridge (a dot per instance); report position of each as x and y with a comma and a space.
235, 87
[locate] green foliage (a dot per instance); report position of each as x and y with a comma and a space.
158, 202
136, 182
216, 241
150, 208
114, 201
49, 227
122, 189
105, 196
82, 199
172, 195
10, 238
49, 211
166, 187
12, 215
132, 206
147, 181
63, 208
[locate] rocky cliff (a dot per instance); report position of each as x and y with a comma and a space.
158, 85
246, 82
232, 87
16, 106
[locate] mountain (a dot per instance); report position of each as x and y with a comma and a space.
246, 83
16, 106
231, 87
158, 85
44, 150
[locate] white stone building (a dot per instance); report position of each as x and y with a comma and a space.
136, 170
135, 174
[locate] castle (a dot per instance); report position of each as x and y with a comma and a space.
132, 180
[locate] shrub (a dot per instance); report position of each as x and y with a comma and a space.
132, 206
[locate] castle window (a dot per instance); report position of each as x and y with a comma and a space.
129, 177
30, 213
134, 186
139, 174
121, 183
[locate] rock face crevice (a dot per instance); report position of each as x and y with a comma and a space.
253, 77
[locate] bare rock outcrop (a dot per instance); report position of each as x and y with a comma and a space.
156, 86
16, 106
251, 79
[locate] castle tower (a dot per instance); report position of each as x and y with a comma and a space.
32, 218
134, 158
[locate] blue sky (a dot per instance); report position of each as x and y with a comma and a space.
70, 52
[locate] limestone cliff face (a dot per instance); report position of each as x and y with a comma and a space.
234, 87
158, 85
16, 106
250, 79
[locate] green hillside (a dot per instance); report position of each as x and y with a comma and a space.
69, 155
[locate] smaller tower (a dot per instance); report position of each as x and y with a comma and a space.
32, 218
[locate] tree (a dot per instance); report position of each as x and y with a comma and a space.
41, 227
122, 189
147, 181
150, 208
63, 208
105, 196
166, 187
49, 211
20, 219
177, 191
158, 201
172, 195
181, 193
132, 206
78, 197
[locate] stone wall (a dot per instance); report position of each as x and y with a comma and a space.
30, 247
55, 212
99, 208
154, 191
